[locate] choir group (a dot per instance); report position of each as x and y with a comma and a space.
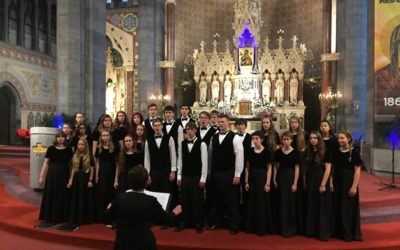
261, 183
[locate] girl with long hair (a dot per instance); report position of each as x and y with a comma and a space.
121, 124
286, 176
346, 177
317, 163
136, 119
128, 158
81, 132
81, 185
54, 176
330, 140
106, 124
106, 155
139, 138
271, 137
68, 131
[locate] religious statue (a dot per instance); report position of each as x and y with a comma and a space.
214, 89
266, 88
203, 89
279, 88
227, 89
246, 60
293, 85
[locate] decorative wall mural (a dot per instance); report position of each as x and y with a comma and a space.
40, 85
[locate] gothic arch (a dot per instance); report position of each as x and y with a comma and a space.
10, 113
18, 90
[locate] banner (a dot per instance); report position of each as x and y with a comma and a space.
387, 59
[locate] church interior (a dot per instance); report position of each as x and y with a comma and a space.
334, 60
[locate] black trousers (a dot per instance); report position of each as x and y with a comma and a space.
227, 195
160, 181
192, 201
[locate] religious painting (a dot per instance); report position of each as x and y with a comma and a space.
246, 57
387, 59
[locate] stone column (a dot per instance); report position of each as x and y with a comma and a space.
21, 24
150, 49
94, 63
326, 49
80, 63
169, 63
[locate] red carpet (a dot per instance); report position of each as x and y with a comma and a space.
17, 217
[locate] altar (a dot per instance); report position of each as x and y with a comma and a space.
251, 80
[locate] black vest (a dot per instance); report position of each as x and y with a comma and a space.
149, 128
223, 155
159, 157
173, 132
191, 161
246, 146
207, 137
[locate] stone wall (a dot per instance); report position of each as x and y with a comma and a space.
33, 76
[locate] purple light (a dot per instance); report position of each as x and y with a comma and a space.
58, 121
246, 39
393, 138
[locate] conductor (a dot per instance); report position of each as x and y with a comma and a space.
135, 213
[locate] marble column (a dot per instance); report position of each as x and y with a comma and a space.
326, 49
169, 63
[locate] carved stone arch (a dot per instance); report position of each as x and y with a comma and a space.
6, 77
12, 108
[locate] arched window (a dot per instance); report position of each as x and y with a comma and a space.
2, 14
38, 120
53, 49
30, 122
28, 23
42, 26
12, 22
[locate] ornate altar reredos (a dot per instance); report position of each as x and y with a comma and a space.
252, 79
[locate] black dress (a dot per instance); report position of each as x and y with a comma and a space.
301, 194
82, 198
131, 160
259, 213
105, 186
319, 207
331, 144
135, 213
55, 200
287, 202
346, 208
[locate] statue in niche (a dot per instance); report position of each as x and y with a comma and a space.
227, 89
293, 85
215, 89
266, 87
203, 89
279, 88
